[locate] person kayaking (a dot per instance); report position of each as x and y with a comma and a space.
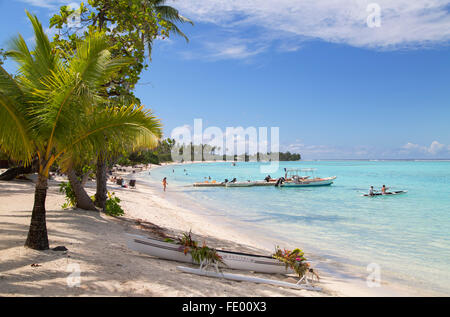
371, 193
268, 178
383, 190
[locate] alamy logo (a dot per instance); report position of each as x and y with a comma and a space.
234, 144
374, 18
374, 277
74, 20
74, 278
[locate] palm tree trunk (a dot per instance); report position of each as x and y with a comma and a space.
37, 235
101, 178
82, 198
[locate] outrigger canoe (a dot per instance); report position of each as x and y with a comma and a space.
398, 192
232, 260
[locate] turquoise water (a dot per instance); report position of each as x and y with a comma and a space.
407, 235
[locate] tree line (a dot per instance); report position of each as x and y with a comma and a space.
204, 152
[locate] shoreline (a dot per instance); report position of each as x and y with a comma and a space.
343, 275
147, 212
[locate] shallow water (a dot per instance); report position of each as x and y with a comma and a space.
406, 235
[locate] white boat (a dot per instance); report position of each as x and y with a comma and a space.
297, 180
232, 260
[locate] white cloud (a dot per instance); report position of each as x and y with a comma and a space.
404, 23
434, 149
410, 150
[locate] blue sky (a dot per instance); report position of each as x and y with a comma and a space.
335, 87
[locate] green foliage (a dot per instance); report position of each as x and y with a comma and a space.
206, 256
288, 156
143, 157
187, 242
203, 254
162, 153
131, 27
112, 206
2, 56
66, 188
294, 259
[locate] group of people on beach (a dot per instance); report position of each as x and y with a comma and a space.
383, 190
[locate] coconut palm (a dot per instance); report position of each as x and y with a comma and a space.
171, 17
49, 110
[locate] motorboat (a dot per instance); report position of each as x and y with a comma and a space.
294, 178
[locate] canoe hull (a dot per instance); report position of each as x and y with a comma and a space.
232, 260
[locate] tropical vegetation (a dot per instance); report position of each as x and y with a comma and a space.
55, 108
131, 27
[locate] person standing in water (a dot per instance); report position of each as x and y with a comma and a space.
164, 182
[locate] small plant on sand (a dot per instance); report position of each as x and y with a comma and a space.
295, 260
67, 189
112, 206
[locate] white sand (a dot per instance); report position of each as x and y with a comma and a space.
96, 243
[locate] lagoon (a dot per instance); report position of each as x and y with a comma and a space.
407, 236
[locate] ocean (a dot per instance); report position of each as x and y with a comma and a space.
406, 236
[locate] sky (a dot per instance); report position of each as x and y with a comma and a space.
348, 79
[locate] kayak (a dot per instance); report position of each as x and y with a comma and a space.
387, 193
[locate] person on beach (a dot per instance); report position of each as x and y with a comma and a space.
164, 182
371, 191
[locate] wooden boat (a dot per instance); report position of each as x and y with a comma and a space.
232, 260
296, 180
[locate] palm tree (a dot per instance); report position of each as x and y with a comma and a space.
50, 110
170, 16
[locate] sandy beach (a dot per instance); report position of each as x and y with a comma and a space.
96, 245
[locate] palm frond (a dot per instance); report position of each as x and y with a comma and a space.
14, 129
40, 61
129, 124
174, 29
171, 14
